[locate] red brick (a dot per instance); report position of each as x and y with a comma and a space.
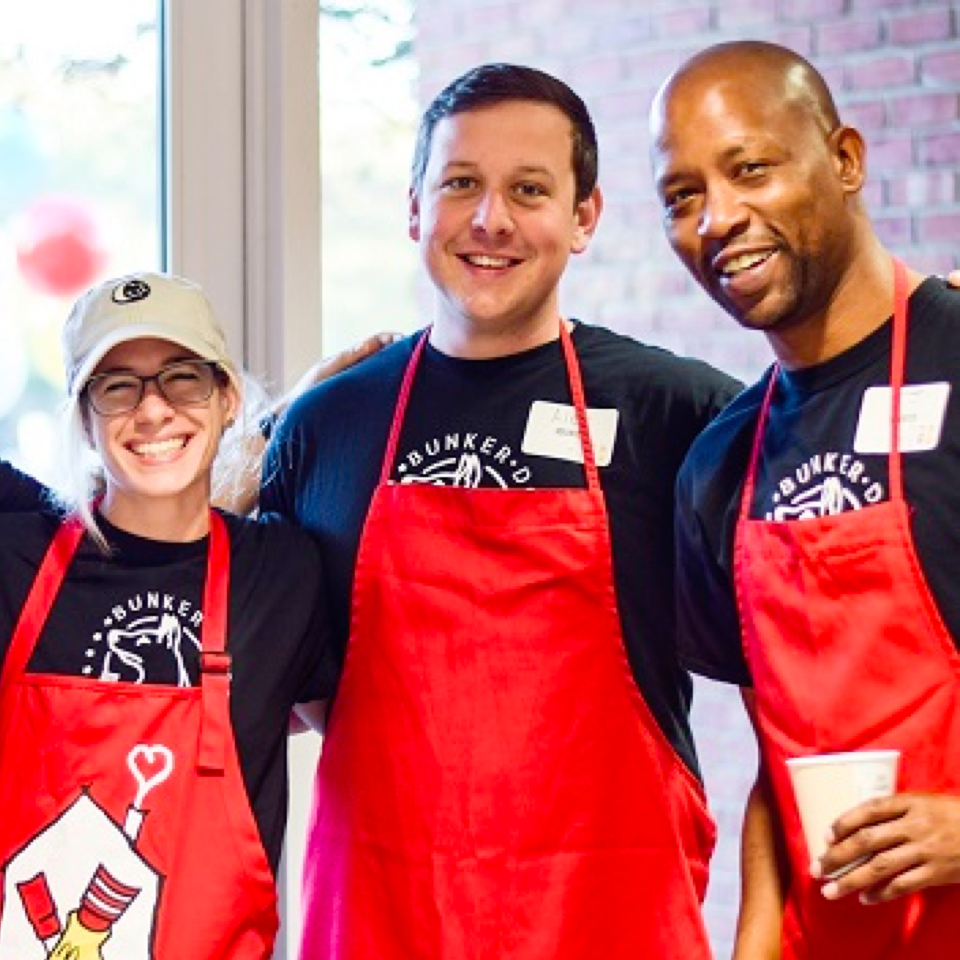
873, 193
848, 36
518, 47
941, 150
925, 189
893, 151
609, 9
867, 116
882, 72
622, 143
569, 38
598, 72
835, 74
812, 10
934, 261
798, 37
683, 23
872, 6
630, 30
654, 66
894, 230
624, 179
922, 26
626, 105
923, 109
734, 15
940, 228
942, 67
533, 13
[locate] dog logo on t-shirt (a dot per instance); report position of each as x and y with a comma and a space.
823, 485
149, 638
464, 460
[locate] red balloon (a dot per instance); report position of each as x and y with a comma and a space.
59, 247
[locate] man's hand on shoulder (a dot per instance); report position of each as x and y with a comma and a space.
330, 366
239, 490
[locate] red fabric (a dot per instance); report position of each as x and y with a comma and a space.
492, 785
848, 652
73, 744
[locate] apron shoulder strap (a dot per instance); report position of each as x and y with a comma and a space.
214, 658
46, 585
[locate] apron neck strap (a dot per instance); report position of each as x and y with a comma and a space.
898, 362
898, 355
406, 386
214, 660
580, 405
43, 592
576, 389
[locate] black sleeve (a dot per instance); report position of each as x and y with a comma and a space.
20, 493
319, 673
708, 493
708, 626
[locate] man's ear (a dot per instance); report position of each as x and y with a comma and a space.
587, 216
849, 153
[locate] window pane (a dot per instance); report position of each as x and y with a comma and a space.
368, 115
79, 190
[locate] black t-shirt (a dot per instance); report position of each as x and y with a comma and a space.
812, 463
135, 616
466, 425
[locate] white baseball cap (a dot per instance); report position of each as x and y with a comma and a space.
134, 307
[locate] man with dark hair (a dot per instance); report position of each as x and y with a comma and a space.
818, 543
508, 768
497, 83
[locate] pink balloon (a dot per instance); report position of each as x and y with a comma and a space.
59, 247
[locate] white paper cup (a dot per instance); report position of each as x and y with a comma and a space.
829, 784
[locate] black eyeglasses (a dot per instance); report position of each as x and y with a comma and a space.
181, 384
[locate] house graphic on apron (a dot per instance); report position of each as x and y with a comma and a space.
80, 884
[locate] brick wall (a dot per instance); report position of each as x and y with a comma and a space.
894, 66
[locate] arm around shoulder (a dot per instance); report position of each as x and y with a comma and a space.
239, 487
20, 493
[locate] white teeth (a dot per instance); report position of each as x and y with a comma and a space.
743, 262
159, 447
481, 261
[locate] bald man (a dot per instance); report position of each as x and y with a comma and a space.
819, 515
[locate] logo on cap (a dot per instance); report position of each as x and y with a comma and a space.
130, 292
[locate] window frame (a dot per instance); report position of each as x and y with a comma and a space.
240, 154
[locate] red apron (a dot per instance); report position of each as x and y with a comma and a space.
125, 825
492, 785
848, 652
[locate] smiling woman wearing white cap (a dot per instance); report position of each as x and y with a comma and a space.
153, 649
120, 338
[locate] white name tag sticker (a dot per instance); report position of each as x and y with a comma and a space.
552, 432
922, 409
